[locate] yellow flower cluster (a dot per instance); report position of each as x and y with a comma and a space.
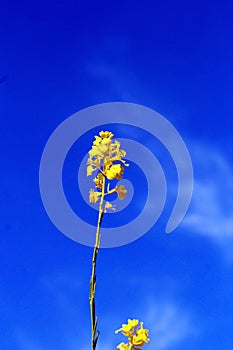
137, 335
106, 157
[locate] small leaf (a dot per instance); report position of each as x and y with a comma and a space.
121, 191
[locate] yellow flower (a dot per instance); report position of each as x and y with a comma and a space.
123, 346
98, 180
108, 206
97, 141
101, 144
106, 134
94, 196
106, 158
106, 141
93, 153
114, 172
128, 329
141, 337
137, 335
104, 153
103, 149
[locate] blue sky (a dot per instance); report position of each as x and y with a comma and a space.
58, 57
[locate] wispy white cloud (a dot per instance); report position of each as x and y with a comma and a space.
105, 346
60, 286
114, 72
100, 70
211, 211
26, 343
169, 324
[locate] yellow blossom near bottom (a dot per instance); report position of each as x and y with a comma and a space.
137, 335
123, 346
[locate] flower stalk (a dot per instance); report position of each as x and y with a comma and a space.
106, 158
94, 332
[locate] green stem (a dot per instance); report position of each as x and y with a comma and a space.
94, 332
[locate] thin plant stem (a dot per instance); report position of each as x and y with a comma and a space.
94, 319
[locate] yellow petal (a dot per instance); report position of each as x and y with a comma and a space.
123, 346
106, 134
97, 141
90, 170
114, 172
